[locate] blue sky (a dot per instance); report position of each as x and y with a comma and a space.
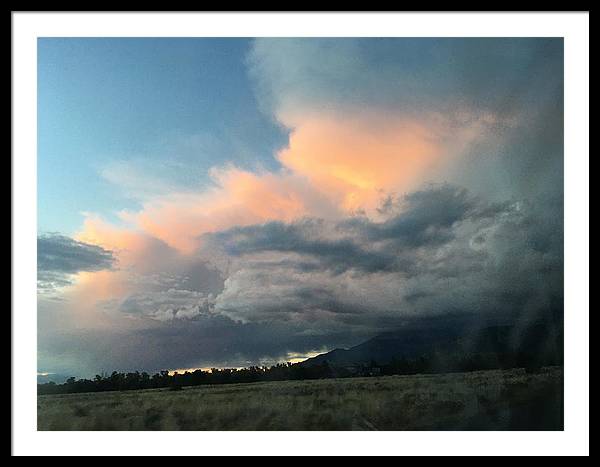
167, 101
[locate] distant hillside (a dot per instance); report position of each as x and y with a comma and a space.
456, 348
51, 378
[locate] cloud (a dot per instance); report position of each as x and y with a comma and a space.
59, 257
140, 179
353, 158
154, 281
499, 100
331, 167
443, 252
167, 305
425, 218
440, 252
294, 77
302, 238
422, 180
238, 198
365, 118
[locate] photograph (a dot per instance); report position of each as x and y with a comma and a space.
299, 233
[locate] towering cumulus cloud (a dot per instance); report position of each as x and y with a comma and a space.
421, 179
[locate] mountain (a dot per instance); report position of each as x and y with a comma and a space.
438, 349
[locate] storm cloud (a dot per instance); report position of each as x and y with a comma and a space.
428, 219
443, 252
421, 182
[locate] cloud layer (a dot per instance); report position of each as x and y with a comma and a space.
440, 251
422, 180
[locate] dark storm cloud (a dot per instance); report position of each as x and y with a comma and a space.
427, 219
336, 254
59, 256
447, 255
442, 252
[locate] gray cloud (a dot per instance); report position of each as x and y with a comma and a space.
444, 254
176, 288
59, 257
423, 219
427, 218
413, 74
441, 252
303, 238
167, 305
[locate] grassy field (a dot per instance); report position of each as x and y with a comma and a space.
486, 400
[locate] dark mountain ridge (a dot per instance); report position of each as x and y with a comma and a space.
455, 348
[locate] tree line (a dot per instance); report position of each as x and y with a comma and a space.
436, 362
164, 379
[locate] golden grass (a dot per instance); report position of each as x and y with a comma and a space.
494, 400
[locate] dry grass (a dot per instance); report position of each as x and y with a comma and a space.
486, 400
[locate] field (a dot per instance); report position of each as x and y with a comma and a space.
485, 400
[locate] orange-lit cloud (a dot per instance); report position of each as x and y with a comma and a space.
134, 251
333, 166
354, 159
99, 232
240, 198
94, 287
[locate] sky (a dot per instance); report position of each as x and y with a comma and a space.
231, 202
